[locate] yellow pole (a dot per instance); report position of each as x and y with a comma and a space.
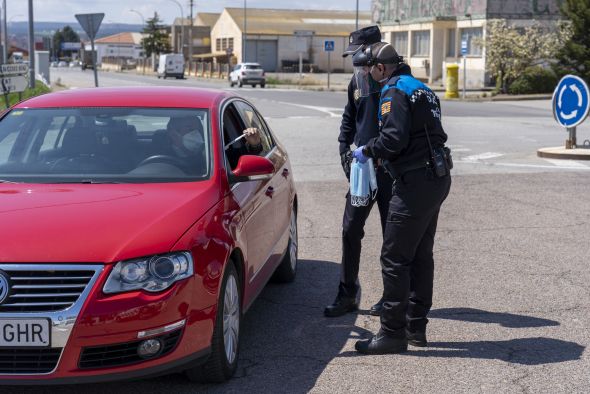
452, 81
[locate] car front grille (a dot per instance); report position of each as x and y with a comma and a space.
26, 361
124, 353
36, 290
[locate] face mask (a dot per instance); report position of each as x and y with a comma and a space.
193, 141
363, 183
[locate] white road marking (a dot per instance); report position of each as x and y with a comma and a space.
567, 163
482, 156
522, 165
453, 150
327, 110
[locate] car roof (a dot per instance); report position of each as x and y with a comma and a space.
143, 96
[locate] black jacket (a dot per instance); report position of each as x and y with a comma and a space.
406, 110
359, 120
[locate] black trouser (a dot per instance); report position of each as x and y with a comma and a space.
406, 256
353, 224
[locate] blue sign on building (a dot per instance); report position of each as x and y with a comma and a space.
463, 47
328, 46
571, 101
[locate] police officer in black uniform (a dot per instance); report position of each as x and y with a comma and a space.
359, 125
411, 143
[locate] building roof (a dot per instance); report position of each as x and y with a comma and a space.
181, 21
206, 18
121, 38
285, 22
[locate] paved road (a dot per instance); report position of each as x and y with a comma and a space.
511, 288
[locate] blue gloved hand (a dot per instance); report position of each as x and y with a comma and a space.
359, 156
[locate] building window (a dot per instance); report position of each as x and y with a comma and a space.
230, 43
224, 44
472, 35
218, 45
400, 43
421, 43
451, 43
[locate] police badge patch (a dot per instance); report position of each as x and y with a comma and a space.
385, 108
357, 94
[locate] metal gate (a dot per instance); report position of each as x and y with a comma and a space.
263, 52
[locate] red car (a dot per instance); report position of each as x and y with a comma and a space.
137, 226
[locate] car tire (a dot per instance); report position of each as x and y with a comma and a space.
253, 85
240, 84
231, 84
287, 269
262, 85
223, 360
159, 76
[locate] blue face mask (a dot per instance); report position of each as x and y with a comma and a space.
363, 183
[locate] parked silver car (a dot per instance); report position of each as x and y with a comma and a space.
249, 74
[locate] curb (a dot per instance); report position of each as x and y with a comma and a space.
562, 153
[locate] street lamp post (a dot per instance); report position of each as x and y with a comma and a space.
181, 27
143, 27
4, 34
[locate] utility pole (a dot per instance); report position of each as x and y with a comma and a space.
4, 34
357, 15
31, 47
190, 38
245, 33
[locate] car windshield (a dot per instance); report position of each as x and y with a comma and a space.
105, 145
252, 67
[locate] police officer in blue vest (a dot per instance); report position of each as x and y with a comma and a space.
359, 125
411, 144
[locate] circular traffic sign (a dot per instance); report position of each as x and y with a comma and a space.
571, 101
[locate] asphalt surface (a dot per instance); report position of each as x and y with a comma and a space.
511, 295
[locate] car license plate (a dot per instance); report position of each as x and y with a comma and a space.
24, 332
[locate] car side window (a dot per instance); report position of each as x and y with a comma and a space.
233, 128
252, 119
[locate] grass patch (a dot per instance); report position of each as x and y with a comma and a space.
13, 98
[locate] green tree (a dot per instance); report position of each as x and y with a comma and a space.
574, 57
66, 35
155, 37
510, 50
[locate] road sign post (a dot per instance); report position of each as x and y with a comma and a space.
571, 102
301, 44
13, 80
91, 23
329, 47
464, 54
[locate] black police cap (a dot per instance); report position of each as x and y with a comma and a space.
365, 36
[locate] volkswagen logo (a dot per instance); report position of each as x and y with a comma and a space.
4, 287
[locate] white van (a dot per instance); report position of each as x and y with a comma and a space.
171, 65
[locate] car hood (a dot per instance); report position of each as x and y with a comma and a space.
97, 222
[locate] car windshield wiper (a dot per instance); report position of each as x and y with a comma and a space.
88, 181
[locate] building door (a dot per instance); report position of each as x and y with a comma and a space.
263, 52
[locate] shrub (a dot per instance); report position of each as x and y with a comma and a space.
534, 80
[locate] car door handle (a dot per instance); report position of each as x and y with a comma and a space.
270, 191
285, 172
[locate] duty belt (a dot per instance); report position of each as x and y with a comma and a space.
400, 171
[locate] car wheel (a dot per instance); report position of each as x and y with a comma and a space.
231, 84
223, 361
159, 76
240, 84
287, 269
262, 85
254, 85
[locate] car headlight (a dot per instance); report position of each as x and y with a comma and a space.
155, 273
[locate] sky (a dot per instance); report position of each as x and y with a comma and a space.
118, 11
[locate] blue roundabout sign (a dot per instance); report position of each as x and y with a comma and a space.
571, 101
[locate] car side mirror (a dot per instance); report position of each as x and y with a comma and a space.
252, 168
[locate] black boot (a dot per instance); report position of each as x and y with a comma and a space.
416, 338
377, 308
341, 306
382, 344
